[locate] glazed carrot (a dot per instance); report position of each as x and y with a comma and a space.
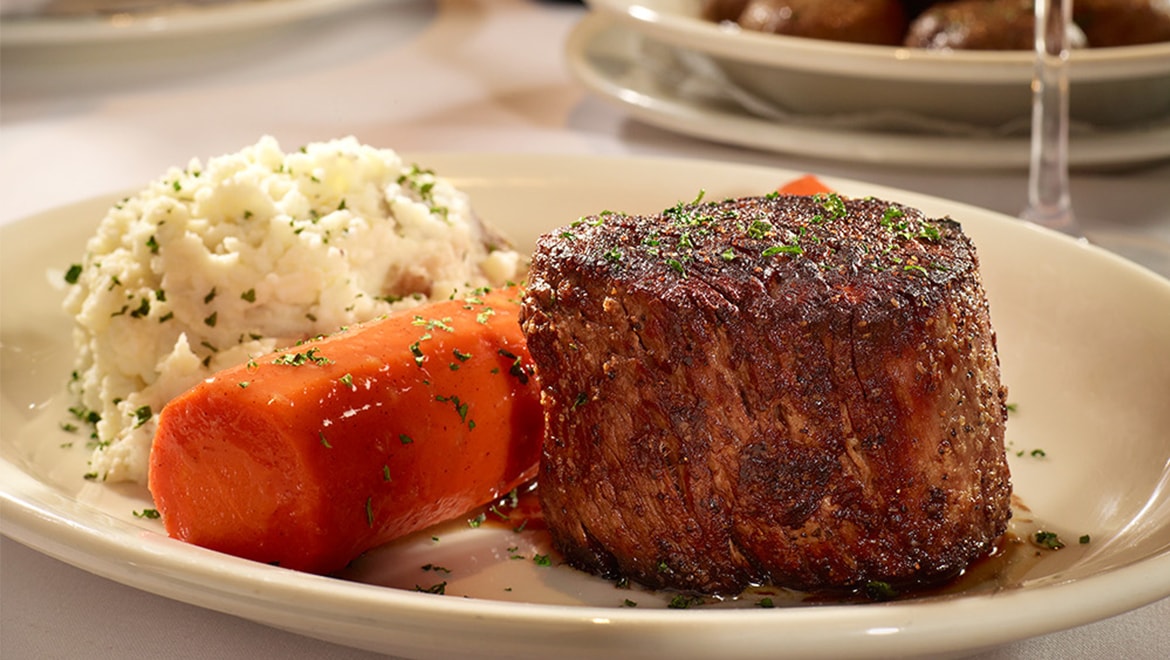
806, 185
310, 456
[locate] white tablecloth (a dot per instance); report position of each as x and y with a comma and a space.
483, 76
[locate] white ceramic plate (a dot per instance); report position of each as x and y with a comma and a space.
179, 20
648, 80
1082, 336
1110, 86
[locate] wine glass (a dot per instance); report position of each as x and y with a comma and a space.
1049, 204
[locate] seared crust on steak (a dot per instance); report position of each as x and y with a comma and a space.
797, 391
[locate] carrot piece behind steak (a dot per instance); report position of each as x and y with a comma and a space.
808, 184
310, 456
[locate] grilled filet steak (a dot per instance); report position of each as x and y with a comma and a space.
796, 391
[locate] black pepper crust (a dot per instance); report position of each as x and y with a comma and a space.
802, 391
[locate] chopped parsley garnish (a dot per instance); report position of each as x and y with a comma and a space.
929, 232
1048, 540
683, 601
832, 203
892, 213
142, 415
86, 415
782, 249
297, 359
422, 181
517, 368
73, 274
878, 590
143, 308
434, 324
759, 229
461, 407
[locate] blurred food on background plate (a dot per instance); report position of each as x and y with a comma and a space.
952, 24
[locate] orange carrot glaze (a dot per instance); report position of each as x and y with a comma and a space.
806, 185
310, 456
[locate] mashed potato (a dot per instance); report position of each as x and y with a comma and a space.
209, 266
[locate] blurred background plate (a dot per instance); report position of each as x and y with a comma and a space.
57, 24
661, 86
1109, 86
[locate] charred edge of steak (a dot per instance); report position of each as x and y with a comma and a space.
801, 391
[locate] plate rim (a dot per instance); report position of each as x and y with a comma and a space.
655, 17
163, 24
1097, 149
159, 569
22, 518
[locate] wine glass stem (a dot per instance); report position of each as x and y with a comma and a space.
1048, 197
